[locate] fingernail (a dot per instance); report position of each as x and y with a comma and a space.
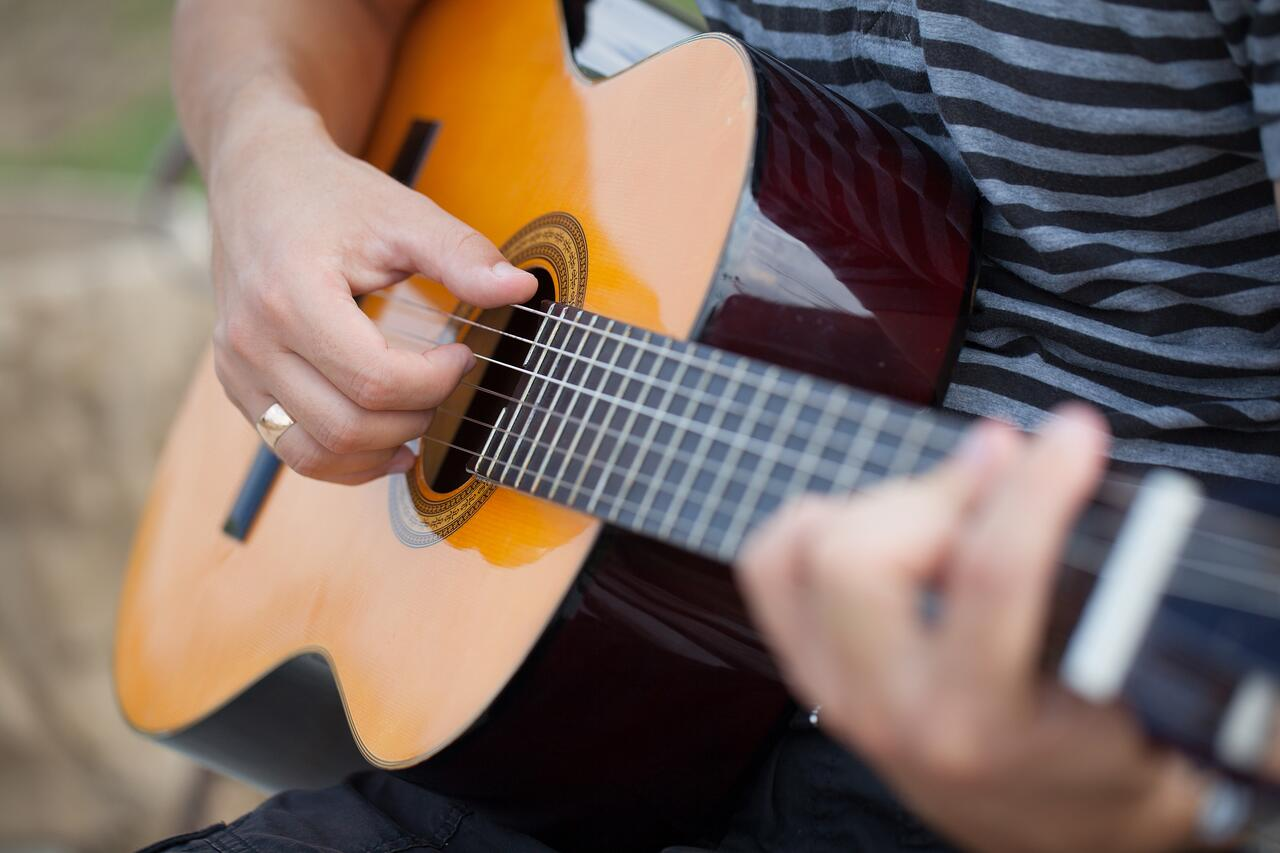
471, 361
502, 269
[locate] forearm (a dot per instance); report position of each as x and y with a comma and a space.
244, 68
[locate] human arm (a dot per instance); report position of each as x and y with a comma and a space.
953, 712
274, 98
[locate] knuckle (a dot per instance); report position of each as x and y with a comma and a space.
803, 516
220, 343
273, 301
341, 434
309, 462
371, 387
223, 371
952, 749
221, 362
236, 336
983, 570
879, 739
464, 238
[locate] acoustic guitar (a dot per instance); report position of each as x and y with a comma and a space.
749, 289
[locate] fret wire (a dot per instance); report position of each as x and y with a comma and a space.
541, 396
668, 346
865, 437
910, 439
666, 459
1085, 547
661, 347
1266, 519
659, 412
732, 462
683, 456
525, 408
732, 384
577, 390
823, 434
628, 425
493, 430
631, 413
749, 507
548, 410
573, 402
587, 417
1218, 573
654, 413
502, 445
646, 442
600, 433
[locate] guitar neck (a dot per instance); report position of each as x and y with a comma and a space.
686, 443
695, 447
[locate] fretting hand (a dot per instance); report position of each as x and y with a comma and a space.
953, 712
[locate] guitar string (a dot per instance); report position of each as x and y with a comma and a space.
1100, 544
874, 457
896, 408
930, 444
803, 430
658, 415
1095, 548
760, 447
670, 418
717, 404
592, 462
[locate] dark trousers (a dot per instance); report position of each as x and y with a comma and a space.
810, 795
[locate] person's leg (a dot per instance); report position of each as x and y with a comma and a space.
813, 795
369, 813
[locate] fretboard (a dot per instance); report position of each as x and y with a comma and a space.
688, 444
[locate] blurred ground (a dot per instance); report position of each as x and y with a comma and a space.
101, 319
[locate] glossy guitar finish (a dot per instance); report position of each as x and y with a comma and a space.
571, 678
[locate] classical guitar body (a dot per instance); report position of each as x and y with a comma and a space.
577, 680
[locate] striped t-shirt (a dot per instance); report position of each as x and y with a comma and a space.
1125, 152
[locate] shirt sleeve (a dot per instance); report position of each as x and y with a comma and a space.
1262, 54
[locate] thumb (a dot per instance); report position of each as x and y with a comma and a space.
453, 253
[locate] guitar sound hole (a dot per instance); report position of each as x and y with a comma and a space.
445, 467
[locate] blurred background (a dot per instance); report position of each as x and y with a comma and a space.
105, 306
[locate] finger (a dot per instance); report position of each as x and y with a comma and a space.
998, 584
236, 379
453, 253
873, 571
339, 340
399, 465
771, 574
1169, 817
336, 422
836, 586
301, 452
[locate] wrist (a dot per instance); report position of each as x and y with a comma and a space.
262, 118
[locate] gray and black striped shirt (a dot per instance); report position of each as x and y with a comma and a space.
1125, 150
